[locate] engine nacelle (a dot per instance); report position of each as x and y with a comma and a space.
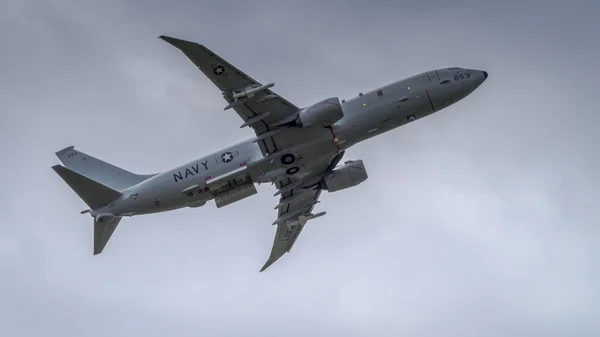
325, 113
350, 174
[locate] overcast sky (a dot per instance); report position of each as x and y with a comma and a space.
481, 220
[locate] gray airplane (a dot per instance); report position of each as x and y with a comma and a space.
299, 150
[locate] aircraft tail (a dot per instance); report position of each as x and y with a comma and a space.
103, 230
98, 170
93, 193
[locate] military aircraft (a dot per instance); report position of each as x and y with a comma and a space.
299, 150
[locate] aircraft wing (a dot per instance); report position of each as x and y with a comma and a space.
258, 106
266, 112
298, 199
288, 230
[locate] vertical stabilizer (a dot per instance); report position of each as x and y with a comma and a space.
103, 230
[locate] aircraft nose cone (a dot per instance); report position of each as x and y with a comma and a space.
485, 74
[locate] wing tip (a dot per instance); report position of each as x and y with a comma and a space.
170, 40
267, 265
179, 43
272, 259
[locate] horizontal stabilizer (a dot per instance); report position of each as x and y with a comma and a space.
103, 230
93, 193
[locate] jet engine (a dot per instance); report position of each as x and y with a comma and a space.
350, 174
325, 113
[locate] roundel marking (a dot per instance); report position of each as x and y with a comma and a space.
287, 159
292, 170
218, 70
227, 157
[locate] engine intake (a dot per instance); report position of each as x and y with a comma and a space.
325, 113
350, 174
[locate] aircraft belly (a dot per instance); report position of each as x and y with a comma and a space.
295, 162
187, 185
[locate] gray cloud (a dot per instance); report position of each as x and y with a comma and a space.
479, 220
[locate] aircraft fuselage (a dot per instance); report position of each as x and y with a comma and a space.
365, 116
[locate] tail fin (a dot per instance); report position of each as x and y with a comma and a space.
98, 170
103, 230
93, 193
